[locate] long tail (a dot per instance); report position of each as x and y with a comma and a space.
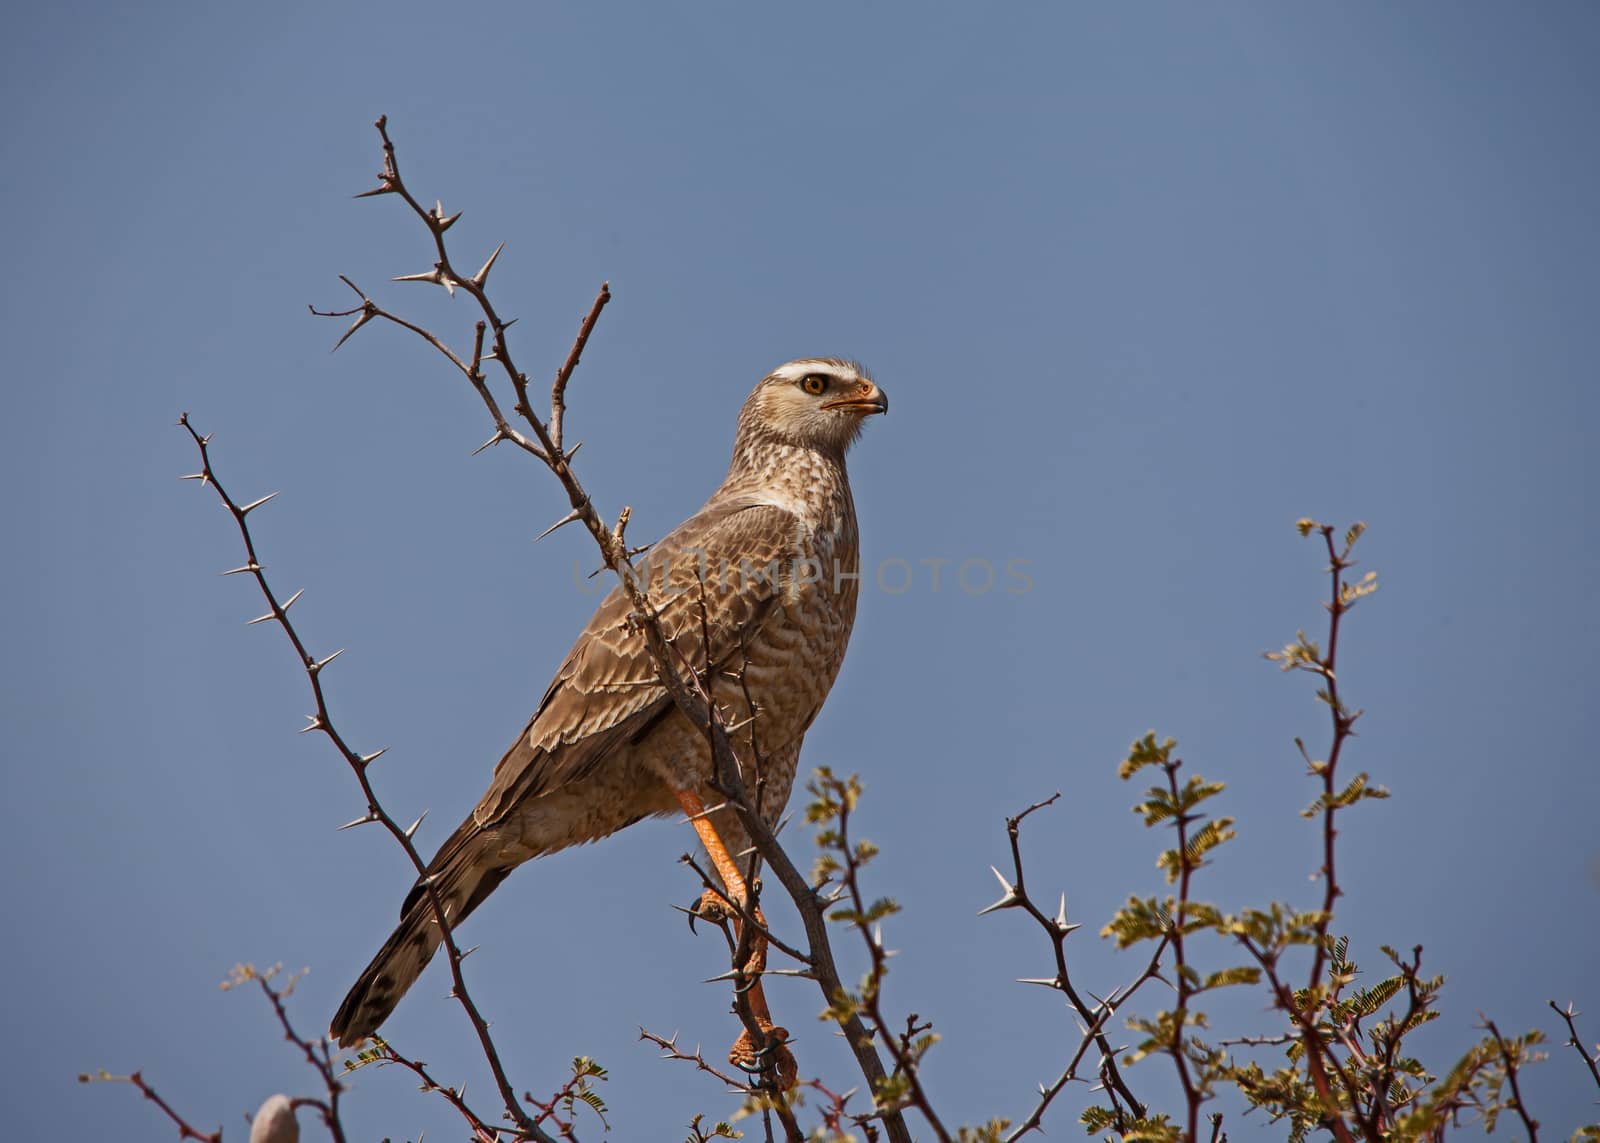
463, 875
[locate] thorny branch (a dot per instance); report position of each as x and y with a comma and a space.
863, 917
1388, 1066
1570, 1015
547, 444
382, 1052
1511, 1060
322, 720
1304, 1006
1344, 721
1184, 983
1092, 1018
747, 917
671, 1051
569, 1093
763, 1087
767, 1101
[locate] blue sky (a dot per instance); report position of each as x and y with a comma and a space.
1145, 284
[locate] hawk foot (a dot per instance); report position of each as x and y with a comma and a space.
716, 908
712, 907
745, 1056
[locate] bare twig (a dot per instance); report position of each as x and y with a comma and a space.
1282, 1040
317, 1053
558, 390
185, 1131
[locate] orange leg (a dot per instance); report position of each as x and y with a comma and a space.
733, 882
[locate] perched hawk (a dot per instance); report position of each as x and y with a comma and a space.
760, 584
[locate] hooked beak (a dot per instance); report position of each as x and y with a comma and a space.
866, 400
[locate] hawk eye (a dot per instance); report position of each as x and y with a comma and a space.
813, 383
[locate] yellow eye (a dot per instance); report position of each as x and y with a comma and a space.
813, 383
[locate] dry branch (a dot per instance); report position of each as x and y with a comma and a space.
322, 720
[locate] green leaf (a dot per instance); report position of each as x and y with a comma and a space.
1302, 654
1208, 837
1157, 806
1349, 593
1141, 919
1349, 796
1243, 974
1155, 1129
1197, 790
1146, 752
1096, 1119
1368, 1000
1202, 915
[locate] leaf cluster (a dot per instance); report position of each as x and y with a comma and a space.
1339, 1061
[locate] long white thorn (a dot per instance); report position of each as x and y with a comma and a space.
567, 519
254, 504
482, 275
1008, 898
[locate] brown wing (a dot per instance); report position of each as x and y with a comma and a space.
606, 692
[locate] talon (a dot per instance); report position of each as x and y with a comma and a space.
775, 1054
712, 907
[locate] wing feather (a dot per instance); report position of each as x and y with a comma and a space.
606, 692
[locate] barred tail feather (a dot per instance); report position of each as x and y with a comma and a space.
462, 880
394, 970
